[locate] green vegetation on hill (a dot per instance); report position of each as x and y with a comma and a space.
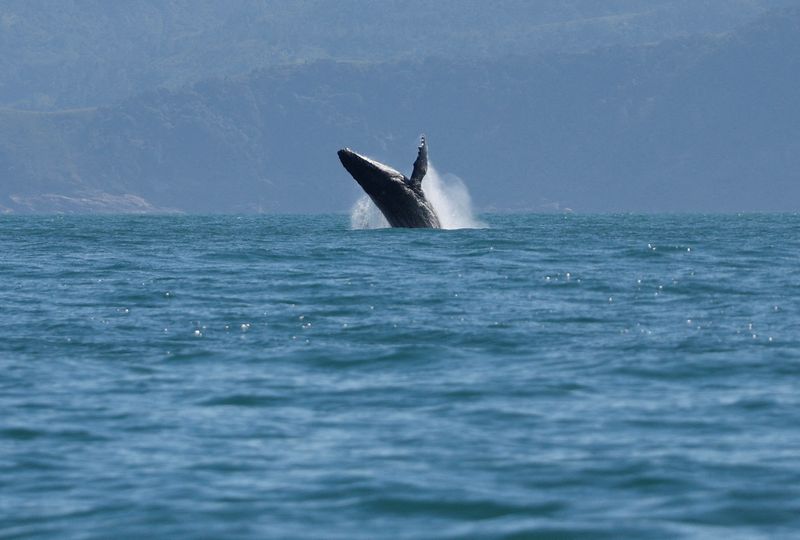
689, 124
59, 54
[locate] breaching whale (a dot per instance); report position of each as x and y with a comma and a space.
400, 199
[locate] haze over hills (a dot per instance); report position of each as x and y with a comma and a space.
59, 54
652, 106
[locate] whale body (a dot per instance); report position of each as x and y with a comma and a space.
399, 198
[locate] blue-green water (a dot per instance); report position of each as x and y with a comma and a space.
547, 377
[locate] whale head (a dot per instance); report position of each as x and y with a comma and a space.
374, 177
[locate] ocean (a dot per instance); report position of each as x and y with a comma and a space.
548, 376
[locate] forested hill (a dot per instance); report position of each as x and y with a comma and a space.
706, 123
59, 54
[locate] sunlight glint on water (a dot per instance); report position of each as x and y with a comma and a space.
249, 377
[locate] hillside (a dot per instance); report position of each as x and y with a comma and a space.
691, 124
62, 54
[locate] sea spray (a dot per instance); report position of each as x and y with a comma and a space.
365, 215
450, 198
447, 193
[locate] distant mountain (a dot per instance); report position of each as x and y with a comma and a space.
699, 123
57, 54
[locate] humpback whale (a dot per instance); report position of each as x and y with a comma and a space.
400, 199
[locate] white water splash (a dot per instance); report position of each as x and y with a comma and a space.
450, 198
448, 194
365, 215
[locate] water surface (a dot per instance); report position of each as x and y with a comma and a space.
548, 377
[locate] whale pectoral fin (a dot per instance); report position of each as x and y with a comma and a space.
421, 164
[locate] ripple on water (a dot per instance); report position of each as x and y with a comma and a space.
280, 376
